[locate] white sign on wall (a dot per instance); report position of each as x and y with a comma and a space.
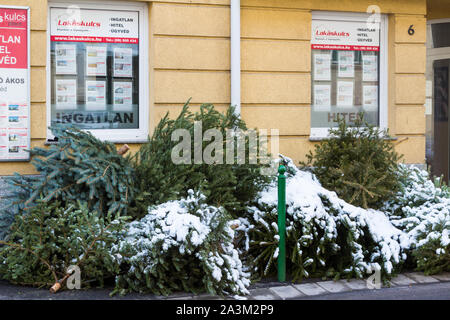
14, 84
344, 35
86, 25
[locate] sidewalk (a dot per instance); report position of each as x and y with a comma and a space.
328, 288
259, 291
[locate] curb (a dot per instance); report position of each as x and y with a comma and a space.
296, 291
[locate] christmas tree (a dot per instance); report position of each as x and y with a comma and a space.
77, 167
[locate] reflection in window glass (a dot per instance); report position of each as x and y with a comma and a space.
441, 34
94, 60
95, 86
344, 84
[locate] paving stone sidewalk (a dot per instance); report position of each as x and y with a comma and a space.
259, 291
296, 291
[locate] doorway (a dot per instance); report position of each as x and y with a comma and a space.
439, 162
437, 98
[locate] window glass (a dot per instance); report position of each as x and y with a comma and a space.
345, 72
441, 34
95, 68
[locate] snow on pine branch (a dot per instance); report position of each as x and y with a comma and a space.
318, 214
182, 245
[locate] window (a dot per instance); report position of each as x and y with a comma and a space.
441, 34
348, 70
437, 90
98, 69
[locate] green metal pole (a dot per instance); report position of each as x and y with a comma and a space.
282, 224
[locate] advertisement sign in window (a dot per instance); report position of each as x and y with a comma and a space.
123, 62
370, 67
95, 68
96, 60
66, 93
346, 64
322, 67
95, 95
14, 84
346, 84
123, 95
66, 59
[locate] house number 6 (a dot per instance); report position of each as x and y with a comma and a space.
411, 30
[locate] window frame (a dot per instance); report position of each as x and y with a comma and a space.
324, 133
140, 134
433, 54
431, 50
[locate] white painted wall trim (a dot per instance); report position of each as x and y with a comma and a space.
235, 54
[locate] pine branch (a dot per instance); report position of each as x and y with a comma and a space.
15, 245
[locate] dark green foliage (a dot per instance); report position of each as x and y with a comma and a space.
6, 218
432, 257
79, 167
49, 232
359, 163
19, 190
160, 179
46, 241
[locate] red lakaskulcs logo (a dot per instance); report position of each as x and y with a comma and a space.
13, 38
13, 18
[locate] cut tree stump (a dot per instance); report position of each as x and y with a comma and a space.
55, 288
123, 149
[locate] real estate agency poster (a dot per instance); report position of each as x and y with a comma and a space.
94, 26
14, 84
344, 35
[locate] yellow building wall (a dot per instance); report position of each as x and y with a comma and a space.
438, 9
276, 70
407, 63
189, 56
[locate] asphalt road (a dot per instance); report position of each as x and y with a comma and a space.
431, 291
13, 292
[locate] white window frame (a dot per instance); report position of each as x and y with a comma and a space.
323, 133
114, 135
433, 54
431, 51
